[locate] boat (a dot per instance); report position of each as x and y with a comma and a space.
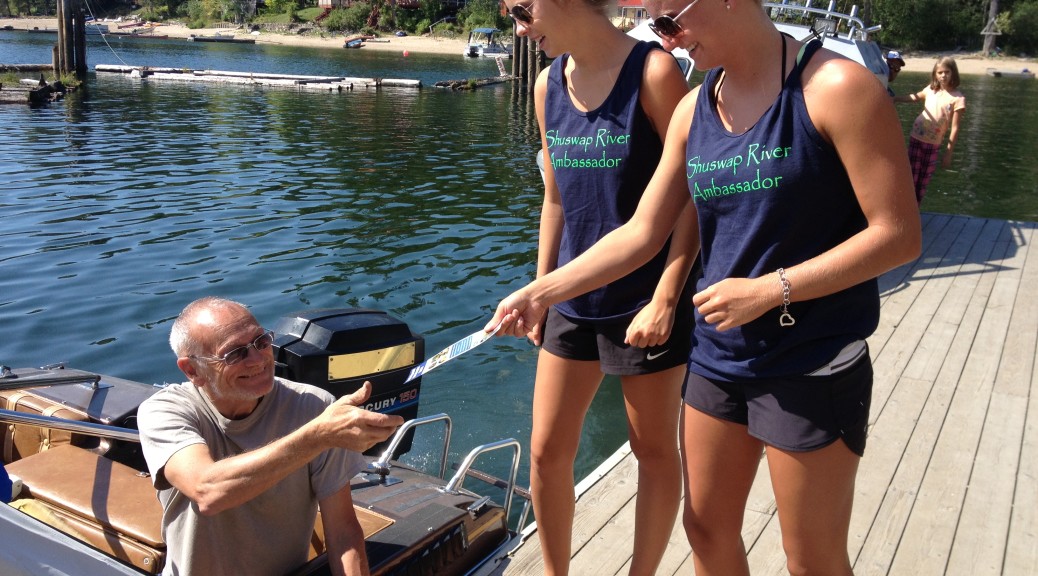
356, 40
91, 29
843, 33
1006, 73
218, 37
485, 42
84, 504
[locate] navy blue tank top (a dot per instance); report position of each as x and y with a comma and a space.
603, 160
772, 197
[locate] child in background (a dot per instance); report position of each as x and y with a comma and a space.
943, 106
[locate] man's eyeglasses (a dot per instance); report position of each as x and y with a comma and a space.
262, 342
521, 14
667, 26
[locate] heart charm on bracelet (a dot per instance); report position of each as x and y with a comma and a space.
786, 320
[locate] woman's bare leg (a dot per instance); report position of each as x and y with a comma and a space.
814, 492
721, 460
653, 403
562, 394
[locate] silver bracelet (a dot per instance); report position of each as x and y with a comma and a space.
785, 319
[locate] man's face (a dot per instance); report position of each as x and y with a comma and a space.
235, 388
895, 67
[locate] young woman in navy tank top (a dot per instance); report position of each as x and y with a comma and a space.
603, 108
792, 159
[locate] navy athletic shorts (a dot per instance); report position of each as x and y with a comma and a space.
797, 414
604, 342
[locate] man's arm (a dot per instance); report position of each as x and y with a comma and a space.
220, 485
343, 535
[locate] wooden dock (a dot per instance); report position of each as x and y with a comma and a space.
949, 482
293, 81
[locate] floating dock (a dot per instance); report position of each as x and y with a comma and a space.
298, 82
949, 482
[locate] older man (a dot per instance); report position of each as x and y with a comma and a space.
242, 459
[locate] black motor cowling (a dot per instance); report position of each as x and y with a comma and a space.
339, 348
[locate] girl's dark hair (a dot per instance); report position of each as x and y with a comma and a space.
949, 63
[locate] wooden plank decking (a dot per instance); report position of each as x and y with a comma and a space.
949, 482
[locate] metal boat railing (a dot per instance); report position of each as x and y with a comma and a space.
855, 26
381, 469
382, 466
454, 485
89, 428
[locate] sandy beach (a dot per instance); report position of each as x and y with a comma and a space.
968, 63
415, 44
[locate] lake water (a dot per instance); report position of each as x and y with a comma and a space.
130, 199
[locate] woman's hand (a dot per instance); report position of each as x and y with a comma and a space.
519, 315
651, 326
733, 302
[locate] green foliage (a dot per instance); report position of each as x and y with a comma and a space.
1022, 28
351, 19
308, 14
931, 24
279, 6
418, 20
481, 14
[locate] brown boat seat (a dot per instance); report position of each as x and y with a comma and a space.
371, 523
21, 440
108, 505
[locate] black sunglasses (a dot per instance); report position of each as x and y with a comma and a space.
262, 342
521, 14
667, 26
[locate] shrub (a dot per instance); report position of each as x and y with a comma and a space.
348, 19
1023, 28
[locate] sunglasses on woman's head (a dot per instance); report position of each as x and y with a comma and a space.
667, 26
521, 14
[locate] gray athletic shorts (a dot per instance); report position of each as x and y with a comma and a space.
797, 414
578, 340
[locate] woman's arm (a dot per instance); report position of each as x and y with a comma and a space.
850, 109
552, 218
622, 250
663, 86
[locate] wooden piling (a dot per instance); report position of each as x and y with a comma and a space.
527, 61
70, 50
80, 40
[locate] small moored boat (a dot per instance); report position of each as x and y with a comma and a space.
486, 42
1007, 73
218, 37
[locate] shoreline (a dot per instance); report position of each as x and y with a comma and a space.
968, 63
410, 44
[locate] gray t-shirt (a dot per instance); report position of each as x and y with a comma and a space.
270, 534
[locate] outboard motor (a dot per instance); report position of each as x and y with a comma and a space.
337, 349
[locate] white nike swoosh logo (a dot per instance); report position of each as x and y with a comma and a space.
651, 356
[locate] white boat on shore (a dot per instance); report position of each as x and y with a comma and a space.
485, 42
84, 504
843, 33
